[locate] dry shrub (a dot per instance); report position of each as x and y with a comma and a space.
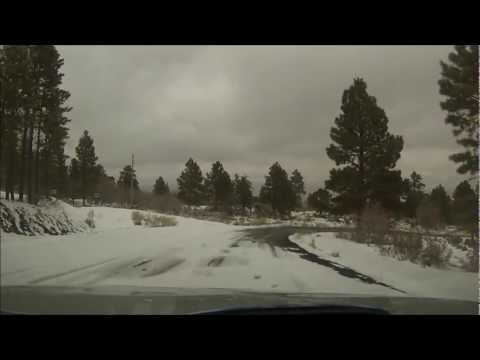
90, 221
373, 224
435, 253
159, 221
137, 217
404, 247
263, 210
259, 221
167, 203
472, 259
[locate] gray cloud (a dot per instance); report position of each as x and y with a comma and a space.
249, 106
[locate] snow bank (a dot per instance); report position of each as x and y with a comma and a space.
49, 217
412, 278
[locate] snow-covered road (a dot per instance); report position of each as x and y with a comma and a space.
198, 253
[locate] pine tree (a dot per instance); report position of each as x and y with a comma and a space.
51, 125
13, 70
30, 99
465, 207
278, 190
320, 200
459, 83
160, 187
441, 200
107, 189
243, 192
218, 185
414, 194
367, 152
127, 178
191, 189
3, 120
87, 164
298, 186
74, 179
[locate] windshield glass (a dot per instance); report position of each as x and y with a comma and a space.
275, 172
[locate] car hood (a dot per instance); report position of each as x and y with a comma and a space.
153, 301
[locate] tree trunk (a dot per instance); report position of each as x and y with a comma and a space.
83, 186
9, 186
361, 178
37, 162
46, 179
30, 164
2, 167
23, 163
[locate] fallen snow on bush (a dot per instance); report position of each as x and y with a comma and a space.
49, 217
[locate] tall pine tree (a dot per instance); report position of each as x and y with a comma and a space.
367, 152
278, 190
415, 194
160, 187
191, 187
127, 178
320, 200
127, 182
87, 161
459, 83
465, 207
243, 191
442, 201
298, 186
32, 120
219, 186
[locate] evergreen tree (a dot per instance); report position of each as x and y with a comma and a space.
51, 126
298, 186
465, 207
12, 72
415, 194
191, 189
127, 179
218, 184
278, 190
459, 83
87, 162
243, 192
160, 187
367, 152
320, 200
441, 200
32, 121
429, 214
74, 178
107, 189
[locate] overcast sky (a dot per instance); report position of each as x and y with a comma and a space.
249, 106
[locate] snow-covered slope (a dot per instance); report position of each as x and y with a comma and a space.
198, 253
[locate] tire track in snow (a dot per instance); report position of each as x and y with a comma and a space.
68, 272
278, 237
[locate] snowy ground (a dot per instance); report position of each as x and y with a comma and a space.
198, 253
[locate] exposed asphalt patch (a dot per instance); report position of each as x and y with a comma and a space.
278, 237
